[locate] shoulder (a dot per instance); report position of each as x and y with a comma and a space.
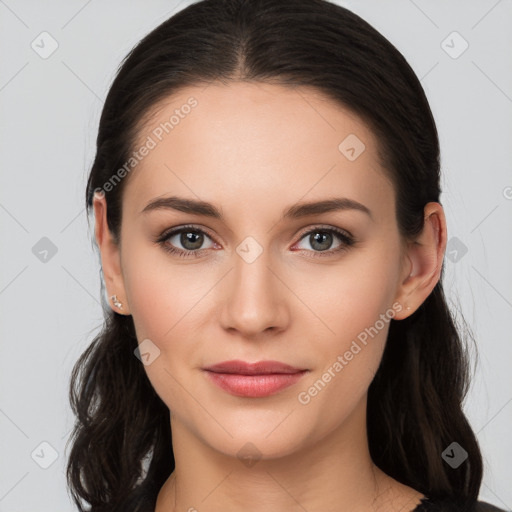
453, 505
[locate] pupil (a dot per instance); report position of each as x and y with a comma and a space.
323, 236
188, 237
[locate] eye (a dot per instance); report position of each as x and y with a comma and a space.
321, 239
190, 238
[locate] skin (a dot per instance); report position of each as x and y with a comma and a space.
254, 150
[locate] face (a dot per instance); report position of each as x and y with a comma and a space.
315, 289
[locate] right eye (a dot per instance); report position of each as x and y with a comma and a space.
190, 238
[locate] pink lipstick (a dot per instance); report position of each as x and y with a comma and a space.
253, 380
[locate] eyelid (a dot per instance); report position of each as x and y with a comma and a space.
326, 227
191, 227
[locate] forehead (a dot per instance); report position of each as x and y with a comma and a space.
265, 143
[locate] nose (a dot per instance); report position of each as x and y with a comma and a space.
254, 298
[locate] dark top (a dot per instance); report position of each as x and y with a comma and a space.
450, 505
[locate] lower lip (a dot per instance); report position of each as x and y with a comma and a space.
254, 386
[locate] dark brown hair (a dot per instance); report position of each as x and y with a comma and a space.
121, 445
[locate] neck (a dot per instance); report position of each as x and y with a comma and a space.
334, 474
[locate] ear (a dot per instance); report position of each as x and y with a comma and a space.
110, 255
424, 261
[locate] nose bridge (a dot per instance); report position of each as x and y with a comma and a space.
253, 300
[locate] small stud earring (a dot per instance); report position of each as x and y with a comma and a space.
408, 308
116, 302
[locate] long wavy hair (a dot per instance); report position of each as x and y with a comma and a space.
121, 452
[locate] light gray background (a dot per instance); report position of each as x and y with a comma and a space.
50, 110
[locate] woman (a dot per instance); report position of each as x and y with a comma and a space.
266, 199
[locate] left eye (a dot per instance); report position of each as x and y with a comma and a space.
321, 239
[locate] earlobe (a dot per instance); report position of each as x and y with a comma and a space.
117, 303
110, 257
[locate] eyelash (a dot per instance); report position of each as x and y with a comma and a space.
348, 241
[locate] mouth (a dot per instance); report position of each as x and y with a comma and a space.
254, 380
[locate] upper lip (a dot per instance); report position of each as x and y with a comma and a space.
258, 368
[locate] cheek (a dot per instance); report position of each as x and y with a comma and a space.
160, 293
355, 306
166, 304
343, 301
347, 361
162, 303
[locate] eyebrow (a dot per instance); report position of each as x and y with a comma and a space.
297, 211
